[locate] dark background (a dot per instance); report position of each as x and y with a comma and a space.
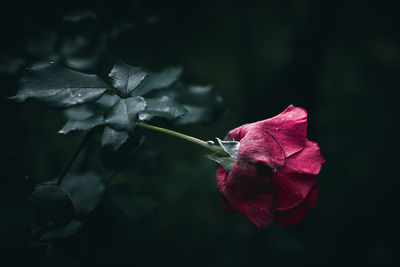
339, 60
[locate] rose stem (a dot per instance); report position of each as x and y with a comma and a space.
73, 157
191, 139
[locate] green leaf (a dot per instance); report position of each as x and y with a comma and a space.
82, 125
225, 162
230, 147
53, 206
203, 103
158, 80
113, 138
85, 191
123, 115
57, 86
126, 78
79, 112
106, 101
164, 107
71, 229
197, 114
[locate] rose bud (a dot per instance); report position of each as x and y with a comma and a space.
272, 177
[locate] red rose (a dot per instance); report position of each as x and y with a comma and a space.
274, 175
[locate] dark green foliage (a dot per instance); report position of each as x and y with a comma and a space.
71, 229
85, 190
125, 78
203, 103
230, 147
57, 86
123, 115
164, 107
106, 101
83, 125
53, 207
226, 162
160, 80
142, 96
113, 138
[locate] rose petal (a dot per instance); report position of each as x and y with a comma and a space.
293, 216
312, 197
221, 178
292, 189
251, 191
274, 173
257, 147
236, 134
307, 161
221, 181
289, 128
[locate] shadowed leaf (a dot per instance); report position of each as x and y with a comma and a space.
57, 86
80, 112
85, 190
69, 230
203, 103
53, 206
158, 80
123, 115
106, 101
226, 162
113, 138
164, 107
126, 78
82, 125
230, 147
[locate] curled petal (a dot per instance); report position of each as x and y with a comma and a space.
221, 184
306, 161
236, 134
252, 193
292, 189
274, 174
259, 147
221, 178
293, 216
289, 128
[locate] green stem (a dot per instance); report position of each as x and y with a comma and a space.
68, 165
191, 139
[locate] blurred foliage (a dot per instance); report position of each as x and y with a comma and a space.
339, 60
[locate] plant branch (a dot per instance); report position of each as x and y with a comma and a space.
68, 165
191, 139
